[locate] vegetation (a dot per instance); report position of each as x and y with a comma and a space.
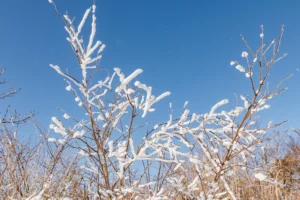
221, 154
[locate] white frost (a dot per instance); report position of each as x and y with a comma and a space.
240, 68
51, 140
66, 116
260, 176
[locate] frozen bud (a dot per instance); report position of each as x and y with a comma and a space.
248, 74
137, 83
269, 124
68, 88
244, 54
261, 35
185, 104
94, 8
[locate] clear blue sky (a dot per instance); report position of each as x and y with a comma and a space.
182, 46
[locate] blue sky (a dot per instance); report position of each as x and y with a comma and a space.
183, 46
